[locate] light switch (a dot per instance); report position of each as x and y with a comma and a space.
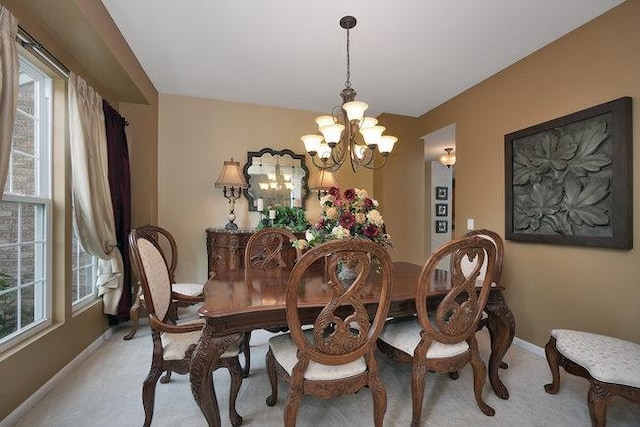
470, 224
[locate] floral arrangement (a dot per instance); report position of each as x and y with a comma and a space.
349, 214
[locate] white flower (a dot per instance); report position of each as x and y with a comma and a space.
339, 232
309, 235
326, 198
360, 218
361, 193
375, 217
375, 202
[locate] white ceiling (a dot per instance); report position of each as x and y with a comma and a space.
407, 57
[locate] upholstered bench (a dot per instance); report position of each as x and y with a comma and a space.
611, 365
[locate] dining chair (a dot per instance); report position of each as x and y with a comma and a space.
269, 249
173, 344
444, 340
494, 238
336, 355
190, 293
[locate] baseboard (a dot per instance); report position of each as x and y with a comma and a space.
22, 410
525, 345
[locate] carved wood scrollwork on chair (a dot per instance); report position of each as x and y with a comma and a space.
495, 238
336, 356
445, 340
190, 293
267, 249
173, 345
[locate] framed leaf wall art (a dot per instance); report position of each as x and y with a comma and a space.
569, 180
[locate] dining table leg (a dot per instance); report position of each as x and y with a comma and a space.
502, 328
204, 359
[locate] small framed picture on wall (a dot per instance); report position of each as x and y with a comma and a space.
442, 209
442, 226
442, 193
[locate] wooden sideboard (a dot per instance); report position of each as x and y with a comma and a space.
225, 250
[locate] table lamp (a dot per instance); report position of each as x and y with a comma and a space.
323, 183
232, 182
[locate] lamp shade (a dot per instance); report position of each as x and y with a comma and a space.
355, 109
324, 181
448, 159
386, 143
231, 175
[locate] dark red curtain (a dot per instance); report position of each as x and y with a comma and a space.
120, 185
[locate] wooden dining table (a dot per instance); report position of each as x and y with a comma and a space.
245, 300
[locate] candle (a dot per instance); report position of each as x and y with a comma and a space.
260, 204
272, 214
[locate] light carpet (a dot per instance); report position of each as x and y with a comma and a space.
106, 391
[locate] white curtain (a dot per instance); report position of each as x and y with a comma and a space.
93, 211
8, 88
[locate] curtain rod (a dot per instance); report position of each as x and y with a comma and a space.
28, 42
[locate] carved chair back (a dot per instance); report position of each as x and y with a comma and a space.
499, 244
343, 331
270, 248
457, 315
151, 270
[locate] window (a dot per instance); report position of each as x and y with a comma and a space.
25, 217
83, 274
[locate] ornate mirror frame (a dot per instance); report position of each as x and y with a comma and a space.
261, 163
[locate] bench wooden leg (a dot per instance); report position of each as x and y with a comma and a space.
551, 352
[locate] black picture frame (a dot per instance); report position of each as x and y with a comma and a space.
442, 209
569, 180
442, 226
442, 193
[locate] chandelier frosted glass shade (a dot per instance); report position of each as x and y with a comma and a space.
448, 159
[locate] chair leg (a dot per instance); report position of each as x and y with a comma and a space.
598, 399
236, 381
149, 394
294, 399
270, 363
378, 392
479, 378
418, 374
246, 351
551, 352
134, 314
166, 377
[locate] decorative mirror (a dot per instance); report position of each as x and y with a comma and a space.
276, 177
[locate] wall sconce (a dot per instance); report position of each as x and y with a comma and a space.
448, 159
232, 182
323, 183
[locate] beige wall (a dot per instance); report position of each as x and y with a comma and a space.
195, 136
402, 193
551, 286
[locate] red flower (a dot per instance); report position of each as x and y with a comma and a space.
334, 191
347, 220
350, 195
368, 203
371, 231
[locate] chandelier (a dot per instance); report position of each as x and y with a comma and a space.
347, 133
448, 159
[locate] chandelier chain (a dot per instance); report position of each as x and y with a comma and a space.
348, 82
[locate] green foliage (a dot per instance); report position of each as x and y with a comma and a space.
294, 219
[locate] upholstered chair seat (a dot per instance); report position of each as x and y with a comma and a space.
611, 365
405, 336
285, 352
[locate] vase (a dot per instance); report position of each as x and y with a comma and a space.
347, 274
